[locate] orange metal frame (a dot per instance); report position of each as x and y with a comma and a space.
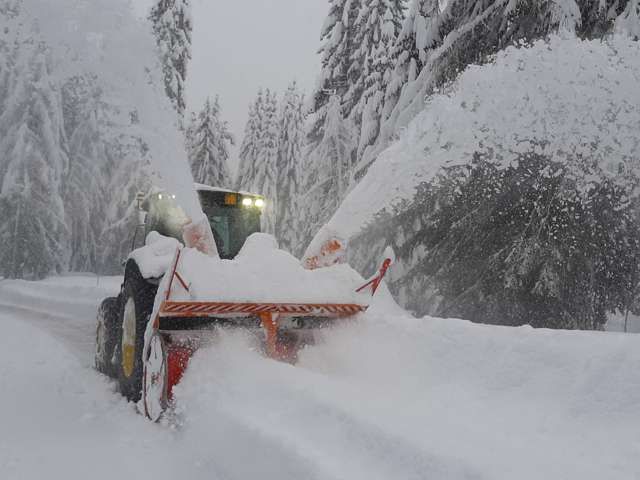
269, 313
219, 309
178, 356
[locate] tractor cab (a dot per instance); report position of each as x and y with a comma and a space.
233, 216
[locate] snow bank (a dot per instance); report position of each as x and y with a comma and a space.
263, 273
563, 98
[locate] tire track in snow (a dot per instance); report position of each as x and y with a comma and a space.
77, 337
66, 311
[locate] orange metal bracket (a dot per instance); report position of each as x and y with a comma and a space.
222, 309
374, 283
269, 322
175, 274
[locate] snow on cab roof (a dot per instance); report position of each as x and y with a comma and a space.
208, 188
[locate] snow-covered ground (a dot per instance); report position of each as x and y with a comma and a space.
387, 397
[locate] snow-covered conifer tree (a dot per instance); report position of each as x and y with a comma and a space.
209, 152
377, 27
250, 143
83, 182
189, 132
379, 70
419, 34
327, 172
172, 25
289, 167
33, 231
8, 41
338, 44
265, 180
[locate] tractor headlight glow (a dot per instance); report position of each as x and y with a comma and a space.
247, 202
259, 202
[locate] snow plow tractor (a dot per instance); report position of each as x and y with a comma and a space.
176, 298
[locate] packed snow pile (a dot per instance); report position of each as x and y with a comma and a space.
263, 273
154, 259
563, 98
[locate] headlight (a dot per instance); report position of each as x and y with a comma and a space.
247, 202
160, 196
259, 202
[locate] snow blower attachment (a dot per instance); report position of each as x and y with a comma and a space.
176, 299
181, 327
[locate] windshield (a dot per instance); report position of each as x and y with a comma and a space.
231, 223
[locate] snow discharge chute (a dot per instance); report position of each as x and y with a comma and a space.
173, 167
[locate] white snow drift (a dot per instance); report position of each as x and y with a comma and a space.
563, 98
155, 257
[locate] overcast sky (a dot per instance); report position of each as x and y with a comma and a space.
241, 45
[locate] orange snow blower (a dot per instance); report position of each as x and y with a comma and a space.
180, 328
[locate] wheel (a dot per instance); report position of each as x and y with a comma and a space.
137, 299
155, 382
107, 336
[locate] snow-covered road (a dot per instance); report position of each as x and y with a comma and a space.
388, 397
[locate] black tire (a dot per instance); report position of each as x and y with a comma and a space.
138, 294
107, 336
